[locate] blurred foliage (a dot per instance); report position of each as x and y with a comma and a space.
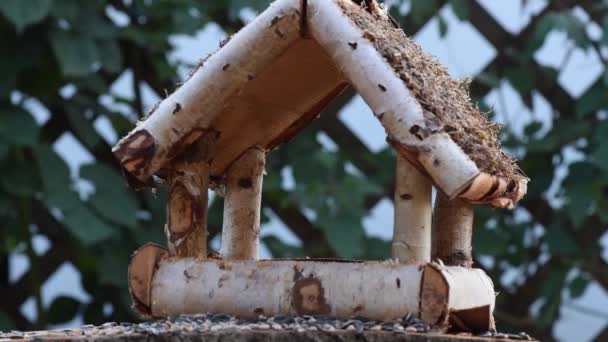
63, 56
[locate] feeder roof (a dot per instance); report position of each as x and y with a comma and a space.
277, 74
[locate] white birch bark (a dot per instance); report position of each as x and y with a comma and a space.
395, 106
413, 215
378, 290
242, 205
452, 231
194, 105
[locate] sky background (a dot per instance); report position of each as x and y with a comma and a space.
463, 50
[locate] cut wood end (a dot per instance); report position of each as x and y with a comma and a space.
434, 297
495, 191
144, 263
135, 151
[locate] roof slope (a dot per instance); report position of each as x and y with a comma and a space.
445, 100
276, 75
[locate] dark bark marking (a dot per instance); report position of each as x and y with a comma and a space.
225, 41
185, 141
491, 191
177, 108
417, 132
187, 275
353, 45
275, 20
226, 66
383, 88
406, 197
398, 281
308, 297
245, 183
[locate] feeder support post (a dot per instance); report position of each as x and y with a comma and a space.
413, 214
453, 231
188, 182
241, 226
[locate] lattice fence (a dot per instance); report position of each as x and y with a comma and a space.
539, 267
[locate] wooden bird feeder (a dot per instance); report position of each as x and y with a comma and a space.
257, 91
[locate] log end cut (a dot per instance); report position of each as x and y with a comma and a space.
434, 297
142, 267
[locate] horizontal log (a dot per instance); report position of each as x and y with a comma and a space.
375, 289
177, 120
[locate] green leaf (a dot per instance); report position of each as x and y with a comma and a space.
111, 198
279, 249
422, 10
599, 157
66, 9
112, 266
6, 322
83, 127
75, 52
559, 242
578, 286
460, 8
593, 100
376, 249
19, 178
110, 55
18, 127
345, 235
56, 180
63, 309
583, 188
565, 22
24, 13
489, 241
86, 226
521, 79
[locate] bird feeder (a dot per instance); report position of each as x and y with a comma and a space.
263, 86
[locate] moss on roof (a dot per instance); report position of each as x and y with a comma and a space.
438, 93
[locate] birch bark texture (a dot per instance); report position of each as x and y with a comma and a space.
188, 182
413, 215
380, 290
202, 98
242, 205
452, 231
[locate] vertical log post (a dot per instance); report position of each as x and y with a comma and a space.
453, 231
188, 181
241, 227
413, 215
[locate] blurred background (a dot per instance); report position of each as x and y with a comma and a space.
76, 76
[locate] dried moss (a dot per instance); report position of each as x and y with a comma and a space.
438, 93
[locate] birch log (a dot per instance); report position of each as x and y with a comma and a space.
142, 267
377, 290
395, 106
242, 205
202, 98
188, 181
452, 231
413, 215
